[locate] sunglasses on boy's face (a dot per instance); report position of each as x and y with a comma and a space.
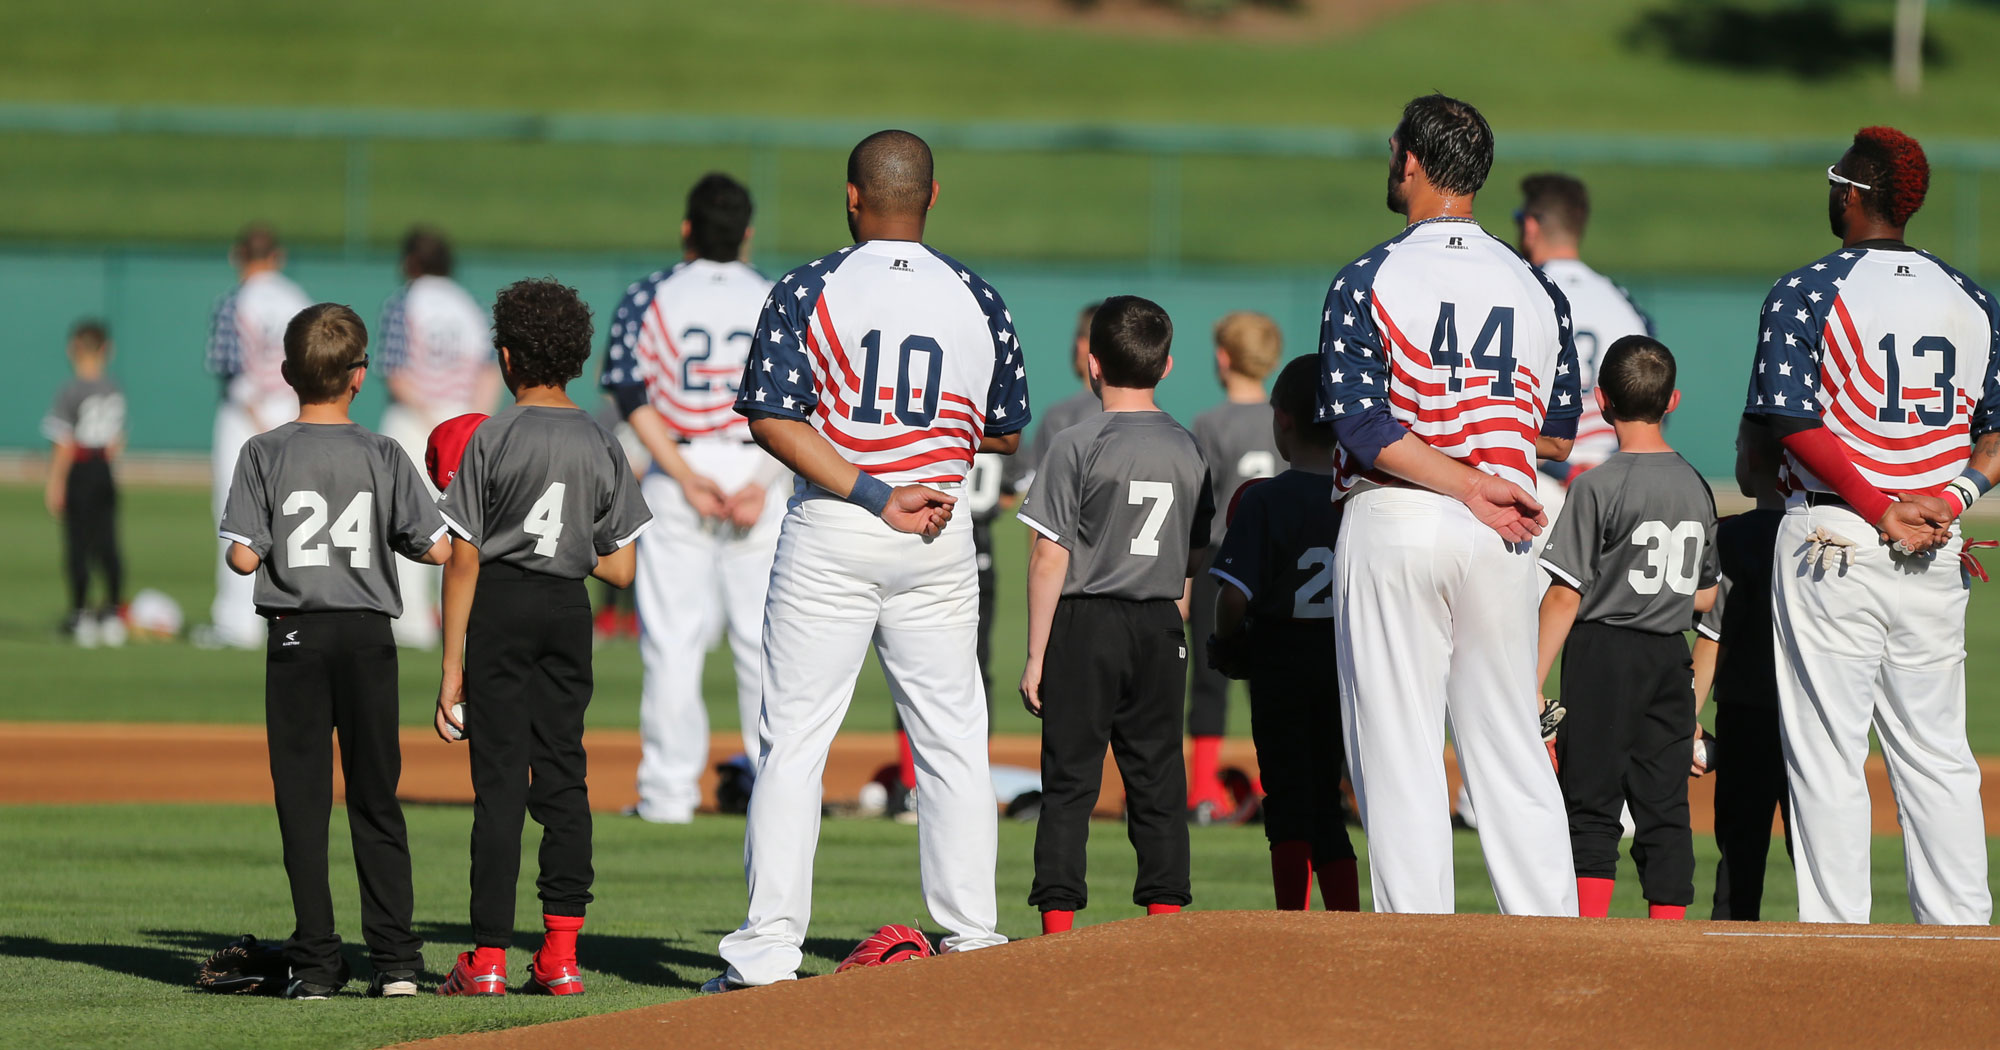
363, 363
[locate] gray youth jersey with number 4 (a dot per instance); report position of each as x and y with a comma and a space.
1236, 440
1637, 539
1127, 494
544, 489
328, 507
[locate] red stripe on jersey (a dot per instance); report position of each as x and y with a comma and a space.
1888, 444
920, 459
1855, 349
1949, 457
861, 444
847, 377
832, 384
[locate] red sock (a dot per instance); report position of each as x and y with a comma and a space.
489, 958
1291, 874
1057, 921
1162, 909
1666, 911
906, 759
1340, 885
559, 937
1204, 780
1593, 897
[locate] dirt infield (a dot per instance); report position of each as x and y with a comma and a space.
109, 762
1248, 980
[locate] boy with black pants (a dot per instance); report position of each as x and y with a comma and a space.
1274, 626
1633, 561
318, 508
86, 424
1121, 501
542, 497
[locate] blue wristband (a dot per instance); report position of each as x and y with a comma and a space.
1977, 480
870, 492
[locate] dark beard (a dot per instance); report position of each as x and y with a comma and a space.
1398, 198
1836, 215
853, 232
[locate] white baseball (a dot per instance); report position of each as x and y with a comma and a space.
1701, 753
458, 713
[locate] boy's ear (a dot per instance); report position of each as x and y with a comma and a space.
1169, 370
1603, 402
1674, 402
285, 372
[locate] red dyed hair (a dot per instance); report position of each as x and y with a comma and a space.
1895, 165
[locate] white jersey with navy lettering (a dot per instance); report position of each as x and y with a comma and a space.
1467, 345
438, 339
246, 345
898, 355
681, 338
1601, 313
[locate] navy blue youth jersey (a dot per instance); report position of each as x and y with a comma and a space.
1279, 548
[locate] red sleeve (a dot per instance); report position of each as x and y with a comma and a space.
1821, 452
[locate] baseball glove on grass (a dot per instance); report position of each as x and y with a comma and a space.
892, 943
245, 967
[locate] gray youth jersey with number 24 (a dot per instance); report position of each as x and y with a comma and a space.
327, 507
1127, 494
544, 489
1637, 539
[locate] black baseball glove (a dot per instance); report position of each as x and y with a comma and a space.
1230, 656
245, 967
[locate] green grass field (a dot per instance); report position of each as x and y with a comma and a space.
1539, 65
101, 932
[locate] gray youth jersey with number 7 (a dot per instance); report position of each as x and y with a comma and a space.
1127, 494
328, 507
544, 489
1637, 538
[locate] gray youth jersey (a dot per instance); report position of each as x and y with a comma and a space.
327, 507
1127, 493
1236, 441
1049, 422
544, 489
1637, 538
90, 412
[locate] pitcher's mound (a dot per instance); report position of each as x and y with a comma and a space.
1230, 980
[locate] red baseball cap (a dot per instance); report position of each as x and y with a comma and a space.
447, 447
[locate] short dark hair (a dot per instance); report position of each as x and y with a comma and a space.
718, 215
893, 170
1559, 202
545, 327
1450, 139
255, 243
1637, 378
427, 251
1896, 167
1084, 317
1296, 394
90, 334
323, 343
1131, 339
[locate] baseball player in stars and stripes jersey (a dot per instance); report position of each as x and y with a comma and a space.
246, 351
1448, 369
675, 353
877, 373
435, 349
1875, 368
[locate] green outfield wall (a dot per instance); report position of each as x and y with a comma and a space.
158, 303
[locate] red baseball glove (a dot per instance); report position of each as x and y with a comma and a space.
890, 944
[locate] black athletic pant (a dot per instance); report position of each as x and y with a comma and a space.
1749, 785
1114, 672
328, 672
527, 683
1208, 692
1629, 738
90, 531
989, 593
1295, 723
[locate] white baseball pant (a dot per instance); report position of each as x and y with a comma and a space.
694, 577
418, 627
1883, 640
1437, 616
840, 579
234, 611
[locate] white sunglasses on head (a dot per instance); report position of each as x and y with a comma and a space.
1833, 178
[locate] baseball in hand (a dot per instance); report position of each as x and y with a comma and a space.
458, 714
1701, 753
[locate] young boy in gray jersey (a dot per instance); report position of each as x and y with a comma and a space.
318, 509
86, 426
543, 497
1121, 503
1633, 562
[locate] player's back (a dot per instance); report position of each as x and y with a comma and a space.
544, 489
1744, 547
326, 506
1476, 343
1279, 551
1637, 539
249, 336
1049, 422
1127, 494
1601, 313
685, 335
901, 357
437, 336
1236, 440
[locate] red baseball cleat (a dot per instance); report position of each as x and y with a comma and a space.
556, 977
887, 945
467, 978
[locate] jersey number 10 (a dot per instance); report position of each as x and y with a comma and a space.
914, 405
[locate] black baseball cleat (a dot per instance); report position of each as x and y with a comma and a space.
304, 989
392, 984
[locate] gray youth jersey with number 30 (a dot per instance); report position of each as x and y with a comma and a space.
544, 489
1127, 494
328, 507
1637, 539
